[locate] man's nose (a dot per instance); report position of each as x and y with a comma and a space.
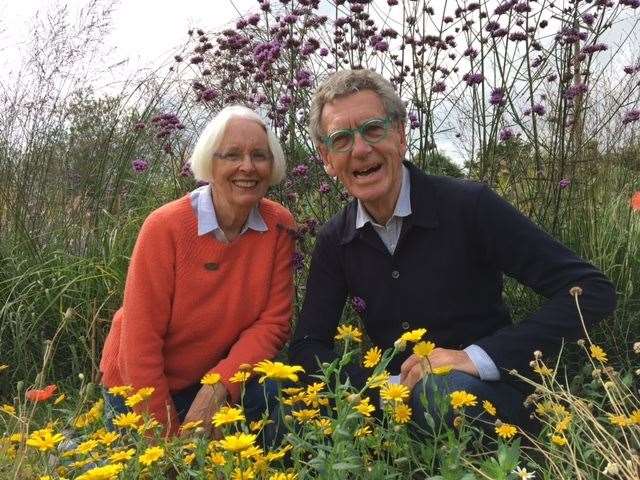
360, 146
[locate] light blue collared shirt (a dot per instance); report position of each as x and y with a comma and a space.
390, 233
202, 204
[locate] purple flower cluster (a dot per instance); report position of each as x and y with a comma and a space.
504, 7
564, 183
537, 109
413, 120
186, 171
574, 90
166, 123
473, 78
359, 305
300, 170
303, 78
595, 47
631, 116
206, 95
570, 35
497, 97
438, 87
630, 3
588, 18
324, 187
139, 165
298, 261
505, 134
267, 53
517, 36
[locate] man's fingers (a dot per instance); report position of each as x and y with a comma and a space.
407, 365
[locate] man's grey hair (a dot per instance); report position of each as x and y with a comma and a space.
347, 82
201, 160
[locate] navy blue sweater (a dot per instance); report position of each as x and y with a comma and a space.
447, 275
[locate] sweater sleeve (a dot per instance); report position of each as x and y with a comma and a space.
313, 339
267, 335
148, 295
523, 251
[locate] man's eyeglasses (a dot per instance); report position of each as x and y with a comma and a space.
372, 131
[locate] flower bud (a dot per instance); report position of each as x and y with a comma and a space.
575, 291
636, 347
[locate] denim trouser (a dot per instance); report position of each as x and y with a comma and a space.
257, 397
506, 398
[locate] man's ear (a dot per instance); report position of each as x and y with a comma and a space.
402, 149
328, 166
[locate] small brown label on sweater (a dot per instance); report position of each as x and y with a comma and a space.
212, 266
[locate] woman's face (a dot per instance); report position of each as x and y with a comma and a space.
242, 164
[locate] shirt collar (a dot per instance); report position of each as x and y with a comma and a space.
403, 204
424, 205
208, 222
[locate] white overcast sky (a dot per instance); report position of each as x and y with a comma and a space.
144, 32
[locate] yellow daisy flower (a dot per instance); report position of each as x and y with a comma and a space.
598, 353
227, 415
378, 380
107, 472
277, 371
619, 420
489, 408
443, 370
128, 420
413, 336
210, 379
6, 408
363, 431
559, 440
306, 414
394, 392
325, 425
364, 408
240, 377
372, 357
44, 440
151, 455
218, 459
401, 413
122, 456
460, 399
423, 349
121, 391
190, 425
506, 431
349, 332
237, 442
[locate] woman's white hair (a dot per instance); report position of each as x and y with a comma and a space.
201, 160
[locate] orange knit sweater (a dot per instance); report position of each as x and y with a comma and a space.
193, 305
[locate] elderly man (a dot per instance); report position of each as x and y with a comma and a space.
427, 251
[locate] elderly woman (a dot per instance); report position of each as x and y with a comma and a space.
210, 285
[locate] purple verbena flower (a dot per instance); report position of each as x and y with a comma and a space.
505, 134
517, 36
139, 165
497, 97
473, 78
438, 87
324, 187
300, 170
631, 116
359, 305
575, 90
298, 261
381, 46
139, 126
564, 183
588, 18
595, 47
324, 52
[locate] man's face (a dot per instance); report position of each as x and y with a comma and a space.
370, 172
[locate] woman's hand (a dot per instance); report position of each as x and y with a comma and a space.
206, 403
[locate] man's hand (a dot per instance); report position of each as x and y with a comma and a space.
415, 368
207, 402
